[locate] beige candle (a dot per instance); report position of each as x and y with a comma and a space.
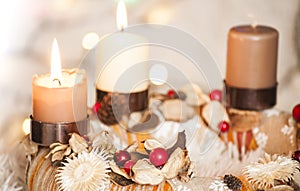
122, 59
252, 57
60, 96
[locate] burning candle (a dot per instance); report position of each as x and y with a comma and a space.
59, 96
252, 57
122, 59
251, 67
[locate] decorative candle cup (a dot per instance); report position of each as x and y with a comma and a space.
59, 103
59, 109
122, 85
251, 67
250, 88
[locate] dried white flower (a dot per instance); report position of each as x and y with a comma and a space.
262, 174
87, 171
219, 185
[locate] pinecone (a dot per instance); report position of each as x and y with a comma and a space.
233, 182
113, 107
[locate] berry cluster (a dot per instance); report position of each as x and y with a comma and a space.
158, 157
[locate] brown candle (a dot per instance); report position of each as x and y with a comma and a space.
252, 57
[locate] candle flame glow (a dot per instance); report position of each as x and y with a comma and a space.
26, 126
121, 15
56, 73
254, 20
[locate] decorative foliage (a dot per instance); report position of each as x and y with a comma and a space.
76, 145
263, 173
87, 171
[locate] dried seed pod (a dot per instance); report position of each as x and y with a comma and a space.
151, 144
132, 147
114, 167
174, 164
194, 95
104, 141
78, 143
176, 110
57, 156
57, 151
146, 173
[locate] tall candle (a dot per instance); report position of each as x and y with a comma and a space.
122, 59
252, 57
59, 96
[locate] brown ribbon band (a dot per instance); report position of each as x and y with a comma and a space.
45, 134
137, 101
250, 99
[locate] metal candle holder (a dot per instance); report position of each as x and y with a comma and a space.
250, 99
45, 134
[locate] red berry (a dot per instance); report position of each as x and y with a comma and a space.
171, 93
216, 95
86, 137
296, 155
296, 112
224, 126
158, 156
128, 166
121, 157
96, 107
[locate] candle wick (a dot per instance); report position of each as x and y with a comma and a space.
56, 79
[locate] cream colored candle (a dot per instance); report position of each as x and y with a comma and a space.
60, 96
122, 59
252, 57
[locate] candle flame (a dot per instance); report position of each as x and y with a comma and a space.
56, 73
121, 15
254, 24
254, 20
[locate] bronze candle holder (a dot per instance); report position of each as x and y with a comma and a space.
116, 105
45, 134
250, 99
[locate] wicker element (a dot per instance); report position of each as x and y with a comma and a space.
41, 173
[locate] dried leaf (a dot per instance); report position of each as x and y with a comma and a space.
174, 164
57, 156
146, 173
78, 143
119, 179
181, 142
149, 123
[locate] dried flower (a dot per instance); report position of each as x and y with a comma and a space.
262, 174
87, 171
